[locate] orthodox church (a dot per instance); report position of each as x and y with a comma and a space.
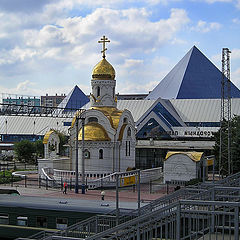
106, 134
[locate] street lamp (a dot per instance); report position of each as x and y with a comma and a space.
83, 157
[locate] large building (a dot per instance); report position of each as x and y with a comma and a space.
181, 113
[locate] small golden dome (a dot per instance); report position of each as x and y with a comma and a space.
103, 71
46, 136
94, 132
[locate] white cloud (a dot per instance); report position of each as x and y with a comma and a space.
130, 87
236, 77
214, 1
235, 53
236, 20
205, 27
71, 39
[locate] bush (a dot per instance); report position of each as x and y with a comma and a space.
6, 177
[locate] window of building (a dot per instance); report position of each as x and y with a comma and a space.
98, 91
22, 221
128, 148
92, 119
41, 221
61, 223
129, 132
86, 154
125, 120
100, 154
4, 218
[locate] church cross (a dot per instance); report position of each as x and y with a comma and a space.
103, 41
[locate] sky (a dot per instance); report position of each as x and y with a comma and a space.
49, 46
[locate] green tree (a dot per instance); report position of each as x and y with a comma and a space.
39, 148
24, 151
235, 143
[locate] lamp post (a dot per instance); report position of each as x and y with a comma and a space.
83, 157
76, 167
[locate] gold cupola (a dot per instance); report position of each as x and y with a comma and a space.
103, 71
93, 131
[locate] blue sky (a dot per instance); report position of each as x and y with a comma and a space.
49, 46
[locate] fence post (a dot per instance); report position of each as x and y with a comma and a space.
178, 221
236, 223
46, 183
150, 186
39, 181
25, 177
12, 181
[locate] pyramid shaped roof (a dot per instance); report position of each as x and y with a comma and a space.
193, 77
74, 100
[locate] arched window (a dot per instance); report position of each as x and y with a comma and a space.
98, 91
129, 132
92, 119
100, 154
86, 154
125, 120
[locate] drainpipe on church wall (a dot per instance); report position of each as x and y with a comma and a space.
119, 156
114, 145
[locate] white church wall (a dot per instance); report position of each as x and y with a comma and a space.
94, 163
179, 167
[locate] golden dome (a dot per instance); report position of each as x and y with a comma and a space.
94, 132
113, 115
103, 71
46, 136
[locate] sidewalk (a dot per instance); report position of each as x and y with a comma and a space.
125, 195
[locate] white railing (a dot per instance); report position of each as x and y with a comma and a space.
95, 180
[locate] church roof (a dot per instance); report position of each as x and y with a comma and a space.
103, 70
74, 100
195, 156
193, 77
113, 115
46, 136
93, 131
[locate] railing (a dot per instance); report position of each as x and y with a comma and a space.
199, 212
108, 179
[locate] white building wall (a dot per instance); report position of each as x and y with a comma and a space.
94, 163
179, 167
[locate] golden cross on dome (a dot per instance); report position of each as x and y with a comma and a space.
103, 41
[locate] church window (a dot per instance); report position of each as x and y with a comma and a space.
98, 91
113, 91
125, 120
86, 154
92, 119
129, 132
100, 154
127, 148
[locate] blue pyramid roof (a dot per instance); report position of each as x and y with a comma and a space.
193, 77
74, 100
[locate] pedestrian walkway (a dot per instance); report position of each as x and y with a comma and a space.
125, 195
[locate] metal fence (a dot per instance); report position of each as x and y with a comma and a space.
207, 211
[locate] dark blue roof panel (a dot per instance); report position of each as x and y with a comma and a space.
194, 77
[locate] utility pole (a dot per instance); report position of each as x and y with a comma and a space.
225, 162
76, 166
83, 158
